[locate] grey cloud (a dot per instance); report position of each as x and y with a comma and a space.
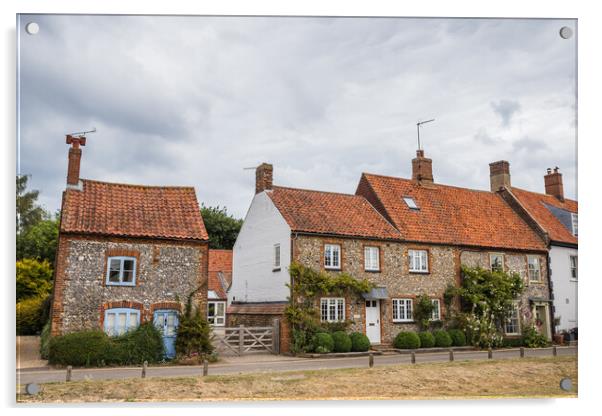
506, 109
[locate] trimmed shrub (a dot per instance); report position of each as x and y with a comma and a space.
97, 349
44, 341
85, 348
342, 342
30, 315
512, 342
427, 340
442, 339
359, 342
323, 343
407, 340
458, 337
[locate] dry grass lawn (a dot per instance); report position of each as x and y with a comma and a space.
528, 377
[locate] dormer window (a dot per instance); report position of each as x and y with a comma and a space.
574, 223
410, 202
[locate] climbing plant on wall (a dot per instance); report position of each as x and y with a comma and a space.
306, 285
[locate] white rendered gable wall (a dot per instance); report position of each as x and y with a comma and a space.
253, 277
564, 287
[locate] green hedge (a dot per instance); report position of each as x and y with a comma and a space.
407, 340
427, 340
323, 343
458, 337
442, 339
96, 349
31, 316
342, 342
359, 342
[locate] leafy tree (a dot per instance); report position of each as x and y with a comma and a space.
34, 278
486, 299
28, 212
221, 227
193, 333
39, 241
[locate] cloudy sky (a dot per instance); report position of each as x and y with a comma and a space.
195, 100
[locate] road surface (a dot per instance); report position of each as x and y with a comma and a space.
278, 363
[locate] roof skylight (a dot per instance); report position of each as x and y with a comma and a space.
410, 202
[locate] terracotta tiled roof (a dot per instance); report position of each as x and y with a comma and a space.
267, 308
448, 214
133, 211
330, 213
220, 272
534, 203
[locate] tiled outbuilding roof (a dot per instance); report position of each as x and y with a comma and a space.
448, 214
330, 213
263, 308
535, 204
132, 211
220, 272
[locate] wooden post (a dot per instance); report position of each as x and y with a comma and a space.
451, 354
522, 352
144, 365
276, 337
490, 353
371, 360
241, 338
205, 367
68, 377
554, 351
413, 357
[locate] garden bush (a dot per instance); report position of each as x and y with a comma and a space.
442, 339
359, 342
342, 342
407, 340
427, 340
323, 343
458, 337
30, 315
512, 342
193, 335
96, 349
533, 339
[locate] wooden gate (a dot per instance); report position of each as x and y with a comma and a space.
243, 340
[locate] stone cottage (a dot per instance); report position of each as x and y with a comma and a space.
127, 254
407, 236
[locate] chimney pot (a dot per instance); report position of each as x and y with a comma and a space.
422, 168
553, 183
263, 177
499, 175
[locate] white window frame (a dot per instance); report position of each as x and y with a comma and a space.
329, 249
276, 257
418, 261
371, 261
515, 311
536, 270
436, 313
574, 225
216, 320
491, 256
118, 311
411, 202
575, 268
333, 309
403, 310
122, 260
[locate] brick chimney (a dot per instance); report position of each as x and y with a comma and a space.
263, 177
553, 181
499, 175
422, 168
75, 156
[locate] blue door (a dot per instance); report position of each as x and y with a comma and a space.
167, 322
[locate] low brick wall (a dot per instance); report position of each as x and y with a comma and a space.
263, 319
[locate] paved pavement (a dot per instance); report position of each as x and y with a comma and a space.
271, 363
28, 352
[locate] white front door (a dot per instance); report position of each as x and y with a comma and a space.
373, 321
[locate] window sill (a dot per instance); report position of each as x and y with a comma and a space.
120, 284
404, 322
372, 271
419, 272
535, 282
573, 280
276, 269
333, 269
